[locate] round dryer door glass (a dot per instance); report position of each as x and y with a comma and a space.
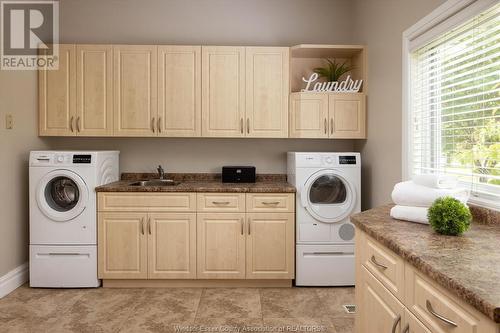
328, 196
62, 194
327, 189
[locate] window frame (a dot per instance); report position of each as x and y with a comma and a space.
444, 18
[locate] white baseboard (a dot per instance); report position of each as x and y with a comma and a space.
14, 279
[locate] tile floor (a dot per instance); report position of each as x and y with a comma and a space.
219, 310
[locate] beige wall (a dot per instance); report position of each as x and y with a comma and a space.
18, 97
214, 22
380, 24
229, 22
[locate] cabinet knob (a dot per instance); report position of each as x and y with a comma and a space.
326, 126
153, 124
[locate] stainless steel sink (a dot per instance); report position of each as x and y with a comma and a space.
156, 182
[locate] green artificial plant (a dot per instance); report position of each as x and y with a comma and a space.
449, 216
333, 71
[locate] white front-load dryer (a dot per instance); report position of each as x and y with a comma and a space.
328, 192
63, 222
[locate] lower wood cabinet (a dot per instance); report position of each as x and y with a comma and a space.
221, 246
388, 301
270, 246
141, 239
140, 246
122, 246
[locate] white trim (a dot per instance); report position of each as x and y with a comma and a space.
445, 17
14, 279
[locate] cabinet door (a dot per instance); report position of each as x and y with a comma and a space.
179, 97
379, 310
220, 246
308, 115
270, 246
94, 97
223, 91
122, 246
135, 90
57, 95
267, 90
172, 246
347, 116
414, 325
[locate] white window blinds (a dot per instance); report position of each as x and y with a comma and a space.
455, 105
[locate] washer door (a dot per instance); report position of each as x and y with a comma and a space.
62, 195
328, 196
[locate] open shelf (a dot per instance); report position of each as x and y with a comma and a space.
305, 57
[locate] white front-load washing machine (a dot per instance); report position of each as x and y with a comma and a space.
63, 222
328, 192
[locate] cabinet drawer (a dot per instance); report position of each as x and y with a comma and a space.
439, 311
221, 202
137, 201
270, 202
384, 264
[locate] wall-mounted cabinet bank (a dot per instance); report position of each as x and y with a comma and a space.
183, 91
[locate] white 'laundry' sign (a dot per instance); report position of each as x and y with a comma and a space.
348, 85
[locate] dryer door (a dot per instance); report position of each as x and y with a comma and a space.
62, 195
328, 196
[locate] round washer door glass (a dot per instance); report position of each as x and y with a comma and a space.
328, 196
62, 195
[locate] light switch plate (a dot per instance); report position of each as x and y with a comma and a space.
9, 121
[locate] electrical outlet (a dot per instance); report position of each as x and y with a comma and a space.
9, 121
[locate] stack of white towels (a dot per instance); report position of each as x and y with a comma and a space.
414, 197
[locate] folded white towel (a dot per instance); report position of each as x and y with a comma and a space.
410, 194
436, 181
408, 213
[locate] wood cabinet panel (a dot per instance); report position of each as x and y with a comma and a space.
57, 95
221, 202
179, 97
347, 115
385, 265
428, 302
267, 90
146, 202
413, 324
172, 246
223, 91
270, 246
270, 202
221, 246
94, 105
122, 246
379, 310
308, 115
135, 90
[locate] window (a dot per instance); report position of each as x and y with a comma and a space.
453, 105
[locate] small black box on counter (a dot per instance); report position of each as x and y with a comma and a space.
238, 174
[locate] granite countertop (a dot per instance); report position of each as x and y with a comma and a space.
200, 183
467, 266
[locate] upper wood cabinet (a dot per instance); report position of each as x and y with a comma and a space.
223, 91
94, 90
197, 91
267, 90
308, 115
179, 91
327, 115
56, 96
347, 116
135, 90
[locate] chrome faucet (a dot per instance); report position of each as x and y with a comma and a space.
161, 172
